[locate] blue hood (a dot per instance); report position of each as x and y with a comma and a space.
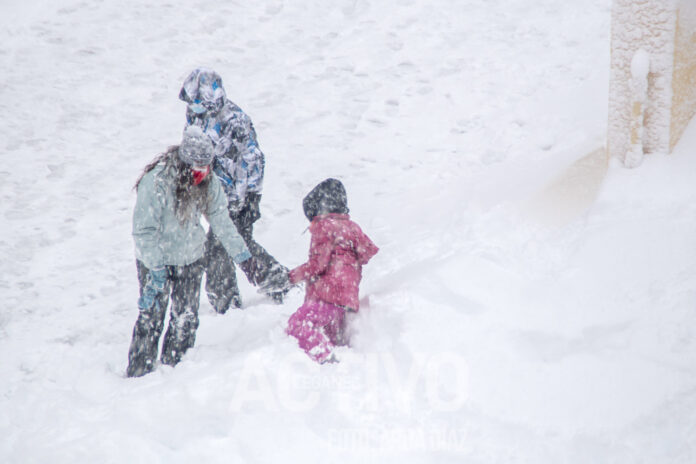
204, 86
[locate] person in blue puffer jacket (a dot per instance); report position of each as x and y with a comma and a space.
239, 165
173, 192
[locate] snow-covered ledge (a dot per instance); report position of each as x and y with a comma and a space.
654, 39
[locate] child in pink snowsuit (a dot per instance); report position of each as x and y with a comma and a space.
337, 252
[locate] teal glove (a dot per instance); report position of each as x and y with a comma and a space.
156, 281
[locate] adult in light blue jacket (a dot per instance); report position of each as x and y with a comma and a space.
173, 192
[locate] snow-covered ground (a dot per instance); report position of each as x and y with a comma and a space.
491, 335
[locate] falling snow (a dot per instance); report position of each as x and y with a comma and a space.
484, 333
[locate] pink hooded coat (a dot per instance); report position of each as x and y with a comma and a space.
338, 250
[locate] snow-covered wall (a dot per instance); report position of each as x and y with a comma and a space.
684, 80
650, 26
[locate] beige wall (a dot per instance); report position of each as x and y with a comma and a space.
684, 80
648, 25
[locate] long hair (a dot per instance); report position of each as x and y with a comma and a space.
190, 200
172, 150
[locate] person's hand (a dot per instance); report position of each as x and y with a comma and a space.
156, 281
295, 276
276, 281
244, 258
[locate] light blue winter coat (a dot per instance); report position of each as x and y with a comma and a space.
162, 240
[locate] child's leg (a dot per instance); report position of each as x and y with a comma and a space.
314, 326
296, 321
335, 328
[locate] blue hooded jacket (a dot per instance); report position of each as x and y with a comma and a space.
239, 162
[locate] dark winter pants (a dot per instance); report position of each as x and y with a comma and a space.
221, 282
184, 283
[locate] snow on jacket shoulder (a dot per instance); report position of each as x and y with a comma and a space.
338, 250
162, 240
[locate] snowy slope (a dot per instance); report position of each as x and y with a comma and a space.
489, 336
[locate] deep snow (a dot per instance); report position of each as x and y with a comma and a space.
492, 334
